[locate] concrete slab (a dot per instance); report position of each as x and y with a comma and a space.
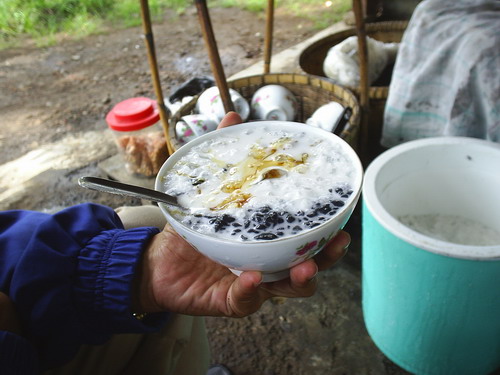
287, 61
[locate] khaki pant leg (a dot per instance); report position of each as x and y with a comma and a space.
141, 216
183, 350
180, 348
195, 359
110, 358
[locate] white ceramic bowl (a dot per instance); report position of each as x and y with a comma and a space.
327, 116
274, 102
272, 257
209, 103
190, 127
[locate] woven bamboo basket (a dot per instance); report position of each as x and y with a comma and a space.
311, 92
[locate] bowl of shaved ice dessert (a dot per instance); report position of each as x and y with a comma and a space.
263, 195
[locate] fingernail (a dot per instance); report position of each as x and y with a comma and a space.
346, 247
348, 243
314, 276
257, 283
312, 279
343, 253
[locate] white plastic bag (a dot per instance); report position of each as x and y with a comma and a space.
342, 61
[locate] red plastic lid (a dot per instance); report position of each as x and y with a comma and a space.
133, 114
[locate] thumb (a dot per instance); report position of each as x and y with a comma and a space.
244, 296
231, 118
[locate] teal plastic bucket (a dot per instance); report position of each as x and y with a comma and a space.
431, 255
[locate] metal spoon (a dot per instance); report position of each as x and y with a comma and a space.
265, 173
115, 187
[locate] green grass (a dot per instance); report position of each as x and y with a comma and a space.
318, 11
43, 20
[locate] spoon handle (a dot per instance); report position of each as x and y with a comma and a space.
115, 187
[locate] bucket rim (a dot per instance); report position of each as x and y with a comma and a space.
403, 232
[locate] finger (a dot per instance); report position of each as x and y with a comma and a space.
244, 297
302, 274
303, 278
333, 251
301, 283
231, 118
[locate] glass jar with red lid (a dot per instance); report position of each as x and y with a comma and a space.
139, 136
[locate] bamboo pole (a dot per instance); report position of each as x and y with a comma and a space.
268, 43
364, 98
213, 53
153, 66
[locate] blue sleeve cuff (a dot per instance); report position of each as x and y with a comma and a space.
17, 355
106, 268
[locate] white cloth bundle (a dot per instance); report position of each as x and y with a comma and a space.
342, 61
446, 79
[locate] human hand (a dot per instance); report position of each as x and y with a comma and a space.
230, 119
175, 277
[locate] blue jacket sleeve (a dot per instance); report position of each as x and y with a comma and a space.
70, 277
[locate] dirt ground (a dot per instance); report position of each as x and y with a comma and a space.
47, 93
52, 130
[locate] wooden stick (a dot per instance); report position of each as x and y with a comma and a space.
213, 52
269, 36
153, 66
364, 98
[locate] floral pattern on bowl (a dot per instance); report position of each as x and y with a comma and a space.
310, 249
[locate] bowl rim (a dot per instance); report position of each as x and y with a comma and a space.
351, 202
403, 232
